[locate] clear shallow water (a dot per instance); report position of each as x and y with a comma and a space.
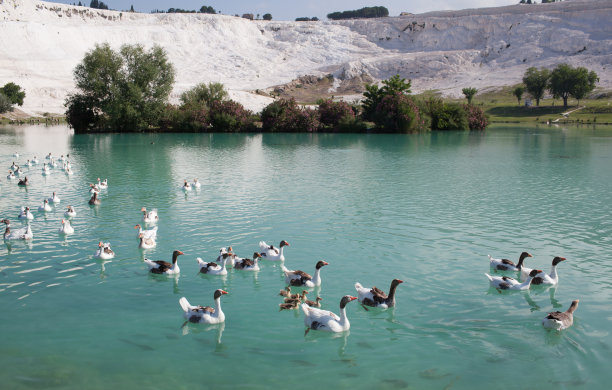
424, 208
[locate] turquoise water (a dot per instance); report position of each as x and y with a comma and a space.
423, 208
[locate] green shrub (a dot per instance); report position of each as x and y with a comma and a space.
398, 113
286, 115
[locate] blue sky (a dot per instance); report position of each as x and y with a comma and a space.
289, 10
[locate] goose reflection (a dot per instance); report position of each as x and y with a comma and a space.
191, 328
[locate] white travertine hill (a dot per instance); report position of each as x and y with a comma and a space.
42, 42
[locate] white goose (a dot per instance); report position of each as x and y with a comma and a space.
560, 320
28, 163
161, 267
49, 157
45, 170
15, 154
149, 233
196, 183
149, 217
66, 227
18, 172
325, 320
269, 252
508, 265
301, 278
248, 264
103, 185
10, 175
104, 251
19, 234
543, 277
204, 314
377, 298
14, 167
186, 186
68, 170
35, 160
146, 243
507, 283
45, 206
25, 213
70, 212
93, 188
212, 268
54, 199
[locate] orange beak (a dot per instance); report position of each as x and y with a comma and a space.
224, 292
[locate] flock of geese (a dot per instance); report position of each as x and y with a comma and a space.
553, 320
315, 318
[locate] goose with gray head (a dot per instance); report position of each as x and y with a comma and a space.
301, 278
161, 267
560, 320
508, 265
375, 297
325, 320
269, 252
544, 278
248, 264
204, 314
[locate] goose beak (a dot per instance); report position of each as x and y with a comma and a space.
180, 253
224, 292
352, 298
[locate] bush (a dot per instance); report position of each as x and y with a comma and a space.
477, 119
446, 116
331, 113
286, 115
398, 113
230, 116
348, 124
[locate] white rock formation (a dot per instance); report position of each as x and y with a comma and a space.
42, 42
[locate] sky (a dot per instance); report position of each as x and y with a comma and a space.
290, 9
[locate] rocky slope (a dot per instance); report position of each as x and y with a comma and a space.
41, 43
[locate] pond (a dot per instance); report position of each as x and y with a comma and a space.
423, 208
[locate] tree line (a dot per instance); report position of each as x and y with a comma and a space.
562, 82
128, 90
365, 12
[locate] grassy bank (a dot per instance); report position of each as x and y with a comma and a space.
501, 106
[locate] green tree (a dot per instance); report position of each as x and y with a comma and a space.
267, 17
536, 82
131, 8
374, 95
566, 81
469, 93
14, 93
203, 95
518, 92
125, 90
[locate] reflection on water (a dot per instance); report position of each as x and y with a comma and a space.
426, 208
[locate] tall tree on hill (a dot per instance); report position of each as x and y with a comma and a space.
518, 92
469, 93
536, 82
566, 81
14, 93
125, 90
267, 17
